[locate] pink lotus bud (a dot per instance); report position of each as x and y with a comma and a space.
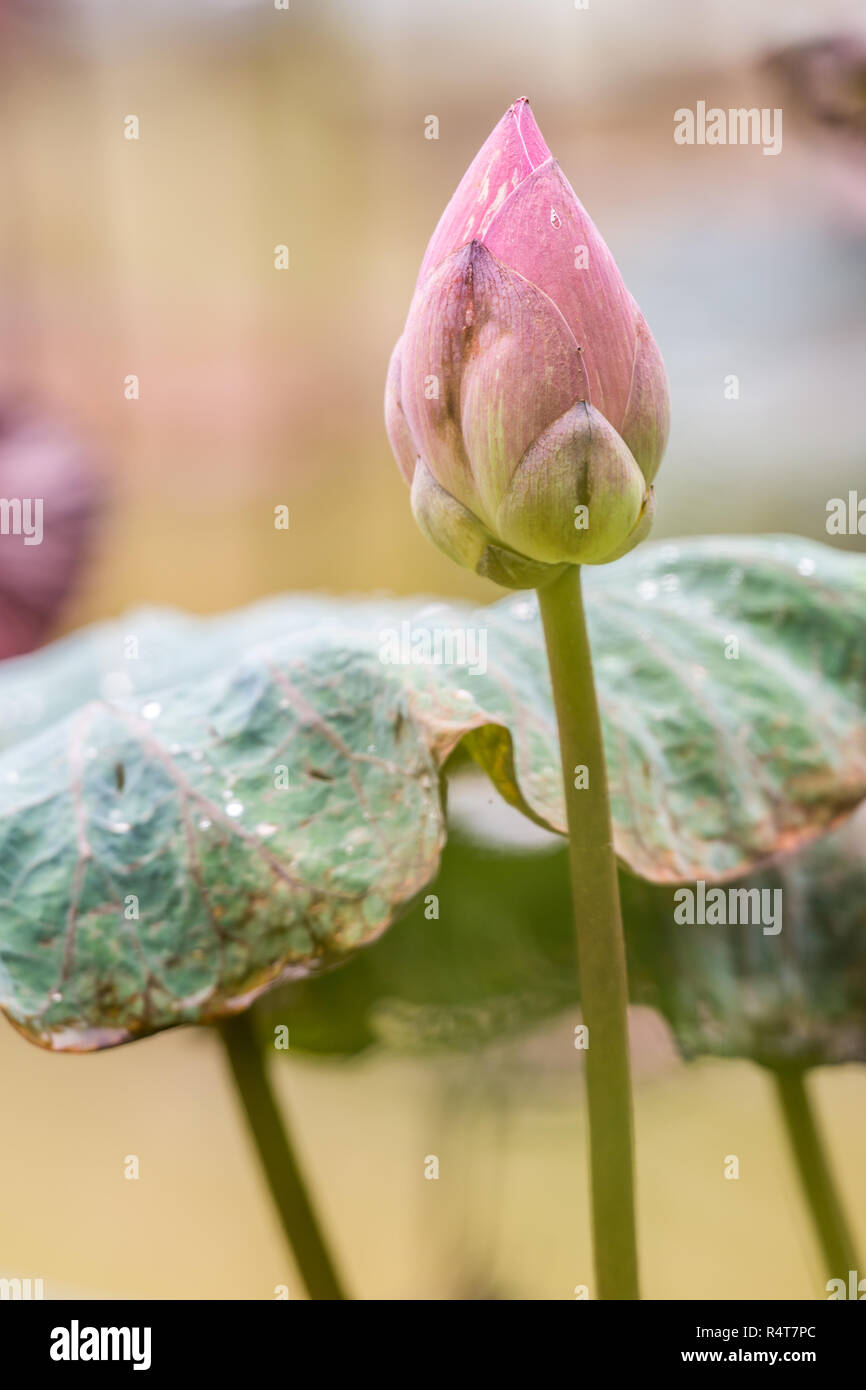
526, 403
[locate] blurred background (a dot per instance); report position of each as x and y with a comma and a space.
154, 258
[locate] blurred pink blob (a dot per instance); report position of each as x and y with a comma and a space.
49, 503
824, 81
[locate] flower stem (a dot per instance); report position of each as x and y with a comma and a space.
816, 1177
600, 947
282, 1170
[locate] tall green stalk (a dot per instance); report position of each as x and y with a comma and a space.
816, 1176
281, 1167
600, 945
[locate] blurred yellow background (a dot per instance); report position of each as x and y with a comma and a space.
508, 1217
260, 387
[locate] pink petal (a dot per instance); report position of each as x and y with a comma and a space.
540, 232
508, 156
506, 365
647, 415
399, 434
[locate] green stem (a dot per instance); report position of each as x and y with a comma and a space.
282, 1170
816, 1176
600, 947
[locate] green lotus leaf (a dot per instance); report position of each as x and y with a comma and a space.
194, 809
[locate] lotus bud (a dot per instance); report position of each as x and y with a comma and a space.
526, 402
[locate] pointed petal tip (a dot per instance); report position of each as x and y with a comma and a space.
534, 144
524, 118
